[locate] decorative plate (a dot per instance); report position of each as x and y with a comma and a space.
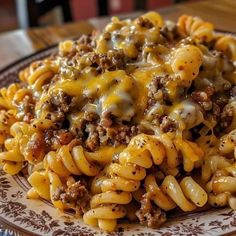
20, 216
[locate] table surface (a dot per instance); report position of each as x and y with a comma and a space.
19, 43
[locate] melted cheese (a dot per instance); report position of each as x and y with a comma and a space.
143, 77
124, 93
112, 92
187, 112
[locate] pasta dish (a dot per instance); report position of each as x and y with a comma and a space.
133, 122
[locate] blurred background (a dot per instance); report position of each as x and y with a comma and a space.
16, 14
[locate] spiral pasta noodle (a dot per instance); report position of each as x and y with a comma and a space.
75, 160
221, 187
39, 75
7, 96
187, 194
142, 152
44, 184
226, 44
219, 173
195, 27
12, 158
131, 122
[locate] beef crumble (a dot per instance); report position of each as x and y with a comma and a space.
101, 136
149, 214
36, 148
144, 22
168, 125
170, 32
26, 108
157, 90
95, 133
92, 142
75, 196
204, 98
62, 102
113, 60
117, 135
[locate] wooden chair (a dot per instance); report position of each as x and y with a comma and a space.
104, 11
29, 11
102, 6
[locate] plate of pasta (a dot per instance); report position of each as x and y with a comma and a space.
128, 131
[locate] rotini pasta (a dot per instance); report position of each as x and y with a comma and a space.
125, 175
195, 27
75, 160
12, 158
132, 122
226, 44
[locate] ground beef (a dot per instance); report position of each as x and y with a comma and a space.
116, 135
90, 116
204, 98
117, 58
58, 106
64, 137
26, 109
121, 134
61, 101
55, 138
95, 132
36, 148
85, 44
57, 117
144, 22
149, 214
106, 122
107, 35
48, 136
75, 196
154, 86
92, 142
169, 32
102, 133
125, 133
168, 125
113, 60
157, 90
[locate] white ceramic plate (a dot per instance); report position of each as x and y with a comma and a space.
20, 216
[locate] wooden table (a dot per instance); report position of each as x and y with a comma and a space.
20, 43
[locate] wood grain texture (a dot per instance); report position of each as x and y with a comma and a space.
20, 43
